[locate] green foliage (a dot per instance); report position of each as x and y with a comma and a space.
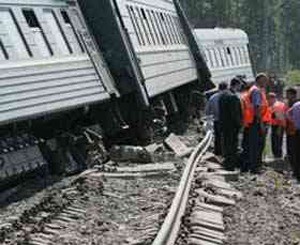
272, 25
293, 77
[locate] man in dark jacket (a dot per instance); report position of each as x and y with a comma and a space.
230, 119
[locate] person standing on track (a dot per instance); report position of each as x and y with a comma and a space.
257, 118
294, 116
278, 123
212, 109
230, 120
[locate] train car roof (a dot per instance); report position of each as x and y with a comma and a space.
206, 34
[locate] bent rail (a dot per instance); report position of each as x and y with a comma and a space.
169, 230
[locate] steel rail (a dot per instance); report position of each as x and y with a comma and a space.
170, 228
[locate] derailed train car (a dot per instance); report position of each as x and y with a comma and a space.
52, 78
147, 48
226, 52
57, 79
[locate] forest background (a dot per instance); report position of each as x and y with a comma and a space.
273, 27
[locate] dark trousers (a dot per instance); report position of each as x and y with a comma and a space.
253, 149
245, 150
230, 147
277, 140
218, 139
293, 142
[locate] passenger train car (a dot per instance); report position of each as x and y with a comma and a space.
57, 78
226, 53
145, 46
50, 68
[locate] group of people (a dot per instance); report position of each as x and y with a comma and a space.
247, 110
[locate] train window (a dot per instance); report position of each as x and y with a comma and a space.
143, 27
163, 26
228, 60
38, 33
31, 19
224, 57
175, 27
178, 27
137, 24
65, 16
168, 28
3, 54
243, 55
247, 57
159, 27
57, 33
234, 56
143, 13
221, 57
153, 28
12, 37
218, 57
230, 55
208, 59
240, 55
172, 29
148, 29
71, 33
213, 58
228, 50
238, 49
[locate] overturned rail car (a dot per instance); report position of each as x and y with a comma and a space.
52, 79
226, 52
147, 49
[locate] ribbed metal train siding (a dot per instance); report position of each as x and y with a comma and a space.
164, 67
36, 88
167, 70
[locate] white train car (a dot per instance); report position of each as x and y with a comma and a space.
45, 65
226, 53
49, 65
143, 41
160, 44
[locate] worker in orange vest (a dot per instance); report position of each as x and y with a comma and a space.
278, 123
256, 118
245, 103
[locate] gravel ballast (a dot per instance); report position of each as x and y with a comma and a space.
268, 213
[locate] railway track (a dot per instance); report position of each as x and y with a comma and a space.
144, 193
196, 214
94, 200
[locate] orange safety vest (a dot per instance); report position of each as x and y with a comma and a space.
245, 104
278, 110
249, 112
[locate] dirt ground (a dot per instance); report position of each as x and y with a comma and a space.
269, 212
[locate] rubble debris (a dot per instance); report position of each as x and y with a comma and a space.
148, 168
128, 153
155, 148
174, 142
